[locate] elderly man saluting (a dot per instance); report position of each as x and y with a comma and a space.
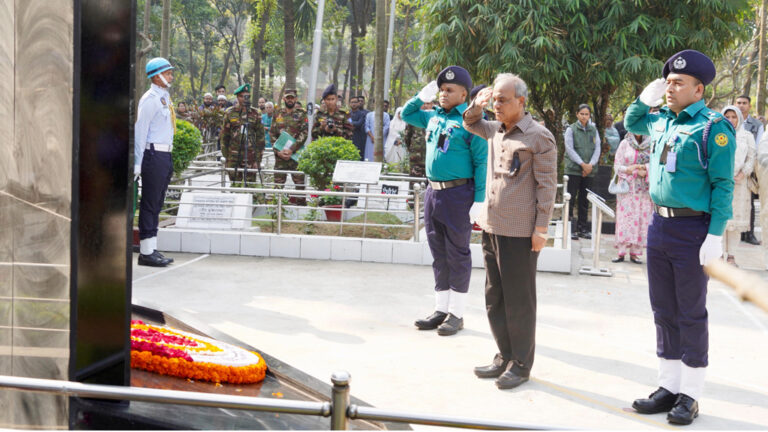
520, 196
455, 165
690, 174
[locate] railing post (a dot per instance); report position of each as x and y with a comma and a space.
279, 196
223, 161
598, 232
566, 218
339, 400
416, 189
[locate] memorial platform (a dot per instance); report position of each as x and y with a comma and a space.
595, 338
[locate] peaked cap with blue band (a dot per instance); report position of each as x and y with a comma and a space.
156, 66
693, 63
454, 75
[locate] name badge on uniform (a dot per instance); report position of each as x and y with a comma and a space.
671, 164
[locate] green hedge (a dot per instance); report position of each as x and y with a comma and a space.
318, 159
187, 143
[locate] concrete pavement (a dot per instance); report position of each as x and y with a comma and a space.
595, 338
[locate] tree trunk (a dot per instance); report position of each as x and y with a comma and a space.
271, 82
290, 46
258, 49
361, 75
165, 34
378, 78
339, 53
206, 55
140, 79
192, 68
760, 99
225, 70
353, 64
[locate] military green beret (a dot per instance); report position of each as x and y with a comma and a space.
242, 88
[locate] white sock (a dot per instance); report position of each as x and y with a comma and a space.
145, 246
692, 382
669, 374
457, 304
153, 243
442, 299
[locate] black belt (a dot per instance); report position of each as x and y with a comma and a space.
669, 212
440, 185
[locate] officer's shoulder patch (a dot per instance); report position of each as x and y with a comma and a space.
721, 139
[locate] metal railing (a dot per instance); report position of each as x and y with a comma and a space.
338, 409
600, 207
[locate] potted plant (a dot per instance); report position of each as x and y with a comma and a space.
318, 159
332, 204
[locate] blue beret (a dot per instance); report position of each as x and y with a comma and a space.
330, 90
454, 75
475, 90
693, 63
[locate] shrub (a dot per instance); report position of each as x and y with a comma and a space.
318, 159
187, 143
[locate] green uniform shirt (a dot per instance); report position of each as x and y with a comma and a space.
692, 185
466, 155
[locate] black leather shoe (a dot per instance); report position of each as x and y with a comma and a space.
431, 322
585, 235
574, 236
152, 260
618, 259
662, 400
509, 380
685, 410
493, 370
157, 253
635, 259
451, 325
751, 239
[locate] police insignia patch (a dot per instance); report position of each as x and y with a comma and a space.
679, 63
162, 100
721, 139
450, 75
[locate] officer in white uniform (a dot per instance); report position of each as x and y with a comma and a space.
153, 143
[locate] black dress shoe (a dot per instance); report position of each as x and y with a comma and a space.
619, 259
662, 400
451, 325
635, 259
509, 380
751, 239
574, 236
585, 235
152, 260
685, 410
493, 370
431, 322
157, 253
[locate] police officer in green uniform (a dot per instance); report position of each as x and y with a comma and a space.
691, 185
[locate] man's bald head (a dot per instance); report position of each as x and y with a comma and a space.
509, 95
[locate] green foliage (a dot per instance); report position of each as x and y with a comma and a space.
331, 200
318, 159
574, 51
187, 143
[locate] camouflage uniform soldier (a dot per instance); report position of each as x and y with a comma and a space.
330, 120
231, 132
292, 120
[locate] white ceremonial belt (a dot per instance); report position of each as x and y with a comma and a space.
161, 147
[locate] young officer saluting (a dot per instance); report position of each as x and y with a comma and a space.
691, 185
153, 142
455, 163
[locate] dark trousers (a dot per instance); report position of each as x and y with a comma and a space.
156, 172
678, 288
446, 219
577, 186
510, 298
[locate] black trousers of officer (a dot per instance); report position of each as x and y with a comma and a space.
578, 185
156, 172
510, 298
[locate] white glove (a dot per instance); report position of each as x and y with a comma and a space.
428, 93
474, 211
711, 249
653, 92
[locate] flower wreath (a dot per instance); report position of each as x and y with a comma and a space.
176, 353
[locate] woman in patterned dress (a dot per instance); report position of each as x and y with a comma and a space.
633, 209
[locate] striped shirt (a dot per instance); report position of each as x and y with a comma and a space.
516, 203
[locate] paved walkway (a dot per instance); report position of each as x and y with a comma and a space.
595, 338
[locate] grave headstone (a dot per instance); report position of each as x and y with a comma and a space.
214, 211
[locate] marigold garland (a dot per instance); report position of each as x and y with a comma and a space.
176, 353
